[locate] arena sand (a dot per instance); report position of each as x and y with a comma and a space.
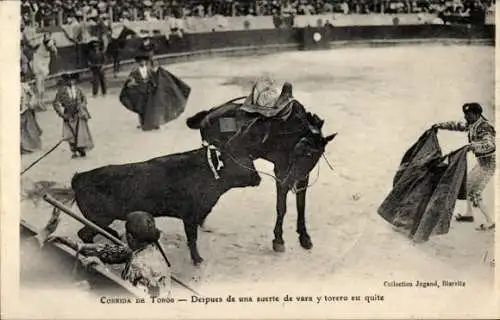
379, 100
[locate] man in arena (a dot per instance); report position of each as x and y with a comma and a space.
70, 104
141, 78
146, 266
482, 142
96, 61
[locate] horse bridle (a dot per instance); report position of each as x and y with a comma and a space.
226, 148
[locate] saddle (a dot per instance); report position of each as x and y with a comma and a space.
223, 122
263, 103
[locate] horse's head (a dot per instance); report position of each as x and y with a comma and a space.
304, 156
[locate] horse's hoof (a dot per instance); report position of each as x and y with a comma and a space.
197, 261
278, 247
305, 242
206, 229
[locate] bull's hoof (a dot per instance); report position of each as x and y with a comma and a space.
278, 246
305, 242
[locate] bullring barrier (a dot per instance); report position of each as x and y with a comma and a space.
249, 42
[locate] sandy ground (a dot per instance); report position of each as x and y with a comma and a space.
379, 100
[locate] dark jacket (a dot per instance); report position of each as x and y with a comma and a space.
96, 58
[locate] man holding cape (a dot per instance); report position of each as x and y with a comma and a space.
157, 97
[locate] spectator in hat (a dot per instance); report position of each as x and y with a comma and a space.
146, 265
482, 143
96, 62
71, 105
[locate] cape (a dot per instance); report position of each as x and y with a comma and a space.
160, 104
425, 189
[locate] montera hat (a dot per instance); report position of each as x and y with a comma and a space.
141, 226
473, 107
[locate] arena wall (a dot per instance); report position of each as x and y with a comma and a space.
193, 46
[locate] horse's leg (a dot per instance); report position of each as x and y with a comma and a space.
116, 61
203, 226
305, 240
278, 242
191, 230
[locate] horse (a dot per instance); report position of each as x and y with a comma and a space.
273, 139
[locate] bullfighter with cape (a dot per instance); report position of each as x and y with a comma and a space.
156, 96
425, 189
71, 105
482, 142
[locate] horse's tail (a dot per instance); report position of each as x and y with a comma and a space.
194, 122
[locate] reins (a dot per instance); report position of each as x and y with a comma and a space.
294, 190
278, 180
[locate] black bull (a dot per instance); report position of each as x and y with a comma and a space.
184, 185
180, 185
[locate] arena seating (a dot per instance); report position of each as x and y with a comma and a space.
47, 13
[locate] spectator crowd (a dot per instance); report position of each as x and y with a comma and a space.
46, 13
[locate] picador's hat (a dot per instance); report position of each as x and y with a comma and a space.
70, 76
473, 107
141, 226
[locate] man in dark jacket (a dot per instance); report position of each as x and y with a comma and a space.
96, 61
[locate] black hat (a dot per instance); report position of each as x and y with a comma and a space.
94, 42
473, 107
141, 57
70, 76
141, 226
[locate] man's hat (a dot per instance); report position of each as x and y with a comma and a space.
473, 107
94, 41
70, 76
141, 226
141, 57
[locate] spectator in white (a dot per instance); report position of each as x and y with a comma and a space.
44, 50
177, 26
78, 33
345, 7
457, 5
125, 18
221, 22
92, 17
102, 7
200, 11
148, 16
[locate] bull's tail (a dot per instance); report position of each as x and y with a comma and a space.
194, 122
